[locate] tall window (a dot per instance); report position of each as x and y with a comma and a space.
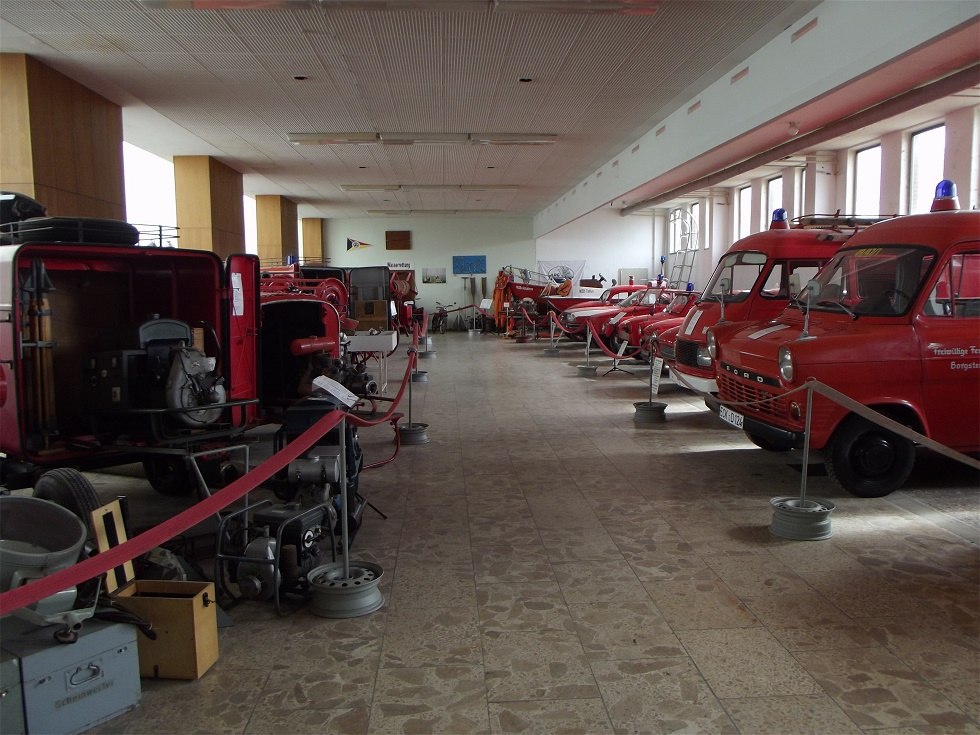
682, 228
744, 212
867, 181
696, 221
802, 207
774, 195
925, 167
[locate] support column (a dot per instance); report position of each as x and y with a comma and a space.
962, 150
313, 244
210, 211
820, 186
60, 142
275, 226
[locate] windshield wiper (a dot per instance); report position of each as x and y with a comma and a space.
840, 306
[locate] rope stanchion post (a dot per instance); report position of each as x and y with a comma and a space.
800, 519
421, 337
587, 370
553, 350
418, 376
345, 589
652, 412
412, 433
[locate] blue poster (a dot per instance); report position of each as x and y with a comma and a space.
466, 265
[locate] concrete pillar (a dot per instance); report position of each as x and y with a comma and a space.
820, 186
894, 173
275, 227
60, 142
210, 211
314, 250
962, 151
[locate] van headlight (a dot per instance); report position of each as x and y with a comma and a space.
704, 359
712, 345
785, 360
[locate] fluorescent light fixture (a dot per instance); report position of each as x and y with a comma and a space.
429, 187
370, 187
363, 138
435, 212
513, 138
332, 138
423, 138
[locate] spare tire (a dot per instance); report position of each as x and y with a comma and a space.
70, 489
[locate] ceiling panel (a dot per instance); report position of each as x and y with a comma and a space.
227, 77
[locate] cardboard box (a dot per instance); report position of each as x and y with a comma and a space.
377, 309
185, 618
69, 688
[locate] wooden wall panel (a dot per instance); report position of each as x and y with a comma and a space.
313, 245
210, 212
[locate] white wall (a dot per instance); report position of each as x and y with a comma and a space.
435, 240
606, 241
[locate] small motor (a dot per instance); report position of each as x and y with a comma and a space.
300, 532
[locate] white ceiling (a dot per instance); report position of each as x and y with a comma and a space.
226, 82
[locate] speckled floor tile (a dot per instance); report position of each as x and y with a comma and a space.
449, 699
563, 544
747, 662
753, 575
824, 636
775, 608
964, 693
877, 690
485, 531
624, 630
516, 563
868, 595
598, 581
665, 695
934, 648
699, 604
419, 636
433, 584
543, 664
221, 702
566, 716
812, 714
523, 606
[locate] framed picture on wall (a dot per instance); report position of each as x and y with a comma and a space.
467, 265
433, 275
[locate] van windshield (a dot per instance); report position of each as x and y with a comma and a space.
735, 277
874, 281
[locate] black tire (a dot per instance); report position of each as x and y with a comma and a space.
169, 474
764, 443
866, 460
70, 489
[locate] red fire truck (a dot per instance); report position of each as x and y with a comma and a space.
893, 323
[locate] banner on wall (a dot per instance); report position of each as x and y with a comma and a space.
356, 244
559, 270
401, 265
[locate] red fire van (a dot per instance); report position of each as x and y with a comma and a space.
892, 322
754, 281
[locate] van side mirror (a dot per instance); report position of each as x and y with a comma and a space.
725, 285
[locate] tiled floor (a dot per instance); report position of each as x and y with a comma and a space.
551, 567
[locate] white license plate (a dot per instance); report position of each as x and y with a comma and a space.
729, 416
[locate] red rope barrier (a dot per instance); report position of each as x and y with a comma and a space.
554, 320
363, 421
94, 566
606, 350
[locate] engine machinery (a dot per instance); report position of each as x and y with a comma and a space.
162, 368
